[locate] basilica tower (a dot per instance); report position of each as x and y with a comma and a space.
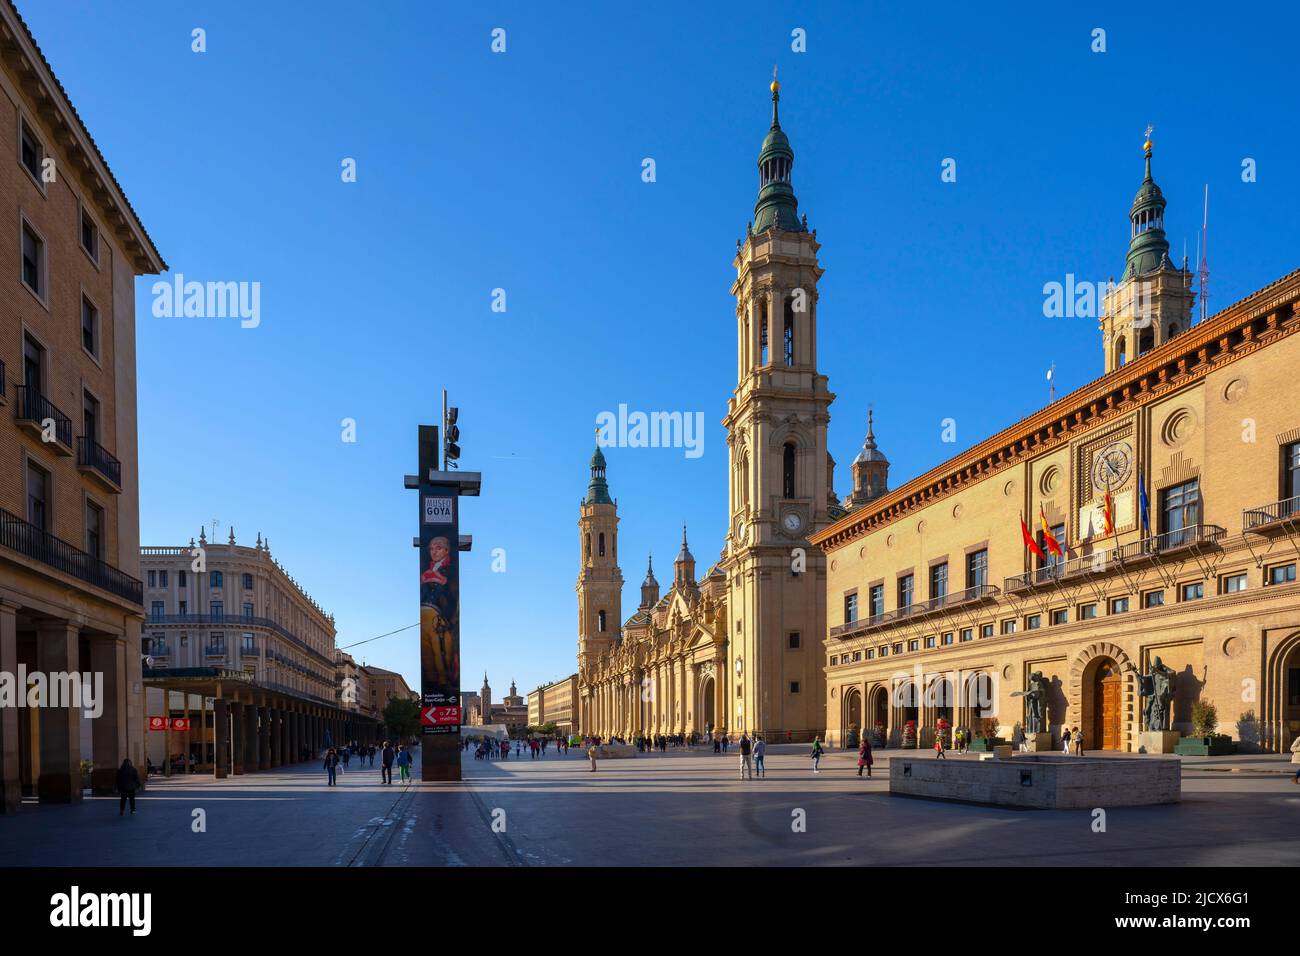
600, 582
780, 472
1153, 302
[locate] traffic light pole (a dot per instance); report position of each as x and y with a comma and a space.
440, 544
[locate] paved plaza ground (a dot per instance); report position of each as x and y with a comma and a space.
675, 809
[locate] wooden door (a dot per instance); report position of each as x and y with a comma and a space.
1106, 707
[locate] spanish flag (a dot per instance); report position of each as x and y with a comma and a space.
1109, 513
1053, 546
1030, 543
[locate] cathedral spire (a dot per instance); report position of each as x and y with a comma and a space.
650, 586
598, 488
684, 566
777, 206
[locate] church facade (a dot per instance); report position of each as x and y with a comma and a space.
737, 647
1147, 522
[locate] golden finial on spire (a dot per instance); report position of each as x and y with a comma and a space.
775, 85
1147, 145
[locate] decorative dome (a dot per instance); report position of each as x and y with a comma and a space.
869, 450
777, 206
597, 488
650, 581
1148, 248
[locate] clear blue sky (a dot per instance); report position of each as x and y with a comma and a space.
522, 171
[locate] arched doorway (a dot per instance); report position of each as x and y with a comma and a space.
707, 719
851, 724
1102, 705
908, 709
880, 712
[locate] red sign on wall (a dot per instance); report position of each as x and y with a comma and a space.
177, 723
440, 716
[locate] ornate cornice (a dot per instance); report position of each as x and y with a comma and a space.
1256, 321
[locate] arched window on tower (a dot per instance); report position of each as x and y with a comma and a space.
586, 550
762, 339
600, 621
787, 471
789, 332
1120, 353
1146, 340
1173, 330
600, 544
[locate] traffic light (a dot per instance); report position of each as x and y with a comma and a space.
451, 435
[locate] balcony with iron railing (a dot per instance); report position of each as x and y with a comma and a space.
972, 595
1271, 517
38, 413
1108, 560
40, 545
233, 622
94, 459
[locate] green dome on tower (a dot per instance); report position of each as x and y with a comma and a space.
777, 205
597, 488
1148, 248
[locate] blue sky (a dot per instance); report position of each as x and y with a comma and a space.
522, 171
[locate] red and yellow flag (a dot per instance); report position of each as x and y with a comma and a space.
1109, 513
1030, 543
1053, 546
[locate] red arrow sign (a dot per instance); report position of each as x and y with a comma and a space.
440, 716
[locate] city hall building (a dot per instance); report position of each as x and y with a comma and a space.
1161, 511
70, 591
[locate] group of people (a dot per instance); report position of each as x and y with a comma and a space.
486, 748
1072, 740
390, 754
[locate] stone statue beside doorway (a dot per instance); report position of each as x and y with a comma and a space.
1035, 695
1158, 690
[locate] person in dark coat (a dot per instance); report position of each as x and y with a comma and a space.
128, 782
864, 756
331, 766
386, 761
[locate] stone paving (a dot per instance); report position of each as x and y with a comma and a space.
674, 809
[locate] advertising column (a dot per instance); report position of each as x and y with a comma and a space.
439, 617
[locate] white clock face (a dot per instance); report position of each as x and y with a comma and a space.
792, 522
740, 531
1112, 466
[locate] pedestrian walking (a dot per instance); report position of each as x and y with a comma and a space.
347, 755
386, 763
404, 763
938, 747
331, 767
760, 751
1065, 740
128, 782
591, 755
1019, 740
817, 752
1078, 741
864, 756
746, 759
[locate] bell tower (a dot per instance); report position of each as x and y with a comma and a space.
600, 582
780, 470
1153, 302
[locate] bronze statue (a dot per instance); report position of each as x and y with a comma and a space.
1158, 690
1035, 696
